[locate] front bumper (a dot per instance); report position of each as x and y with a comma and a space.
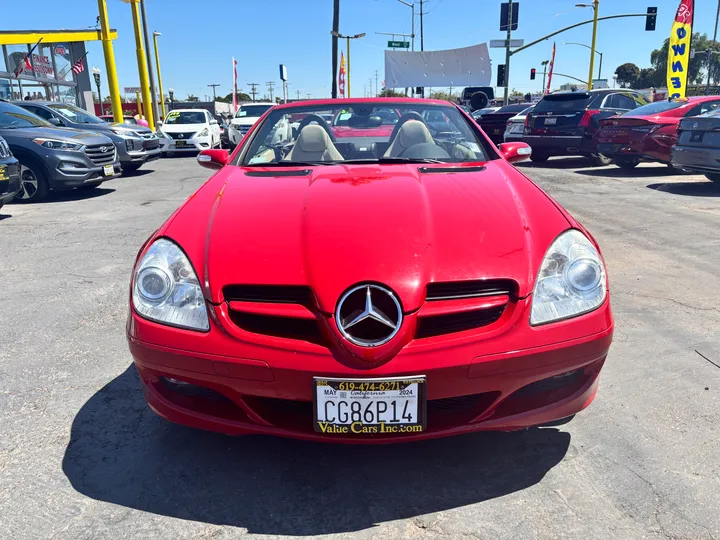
68, 170
702, 160
559, 145
194, 144
267, 390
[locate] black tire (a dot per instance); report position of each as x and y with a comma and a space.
627, 164
131, 168
538, 158
33, 183
715, 177
600, 161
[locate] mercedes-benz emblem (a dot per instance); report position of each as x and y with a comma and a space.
368, 315
103, 149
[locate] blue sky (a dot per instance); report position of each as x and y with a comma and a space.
199, 38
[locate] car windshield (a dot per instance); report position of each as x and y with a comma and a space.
399, 132
655, 108
185, 117
252, 111
74, 114
12, 117
513, 108
563, 102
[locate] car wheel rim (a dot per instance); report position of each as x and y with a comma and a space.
28, 183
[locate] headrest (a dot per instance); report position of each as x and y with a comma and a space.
313, 138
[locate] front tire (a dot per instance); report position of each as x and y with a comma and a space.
538, 158
33, 184
130, 168
600, 160
715, 177
627, 164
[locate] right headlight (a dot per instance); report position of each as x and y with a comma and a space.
166, 288
571, 280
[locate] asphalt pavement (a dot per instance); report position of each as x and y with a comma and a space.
82, 456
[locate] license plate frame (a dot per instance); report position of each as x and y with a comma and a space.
393, 385
181, 144
108, 170
550, 121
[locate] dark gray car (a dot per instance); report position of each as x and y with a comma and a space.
53, 158
698, 145
136, 145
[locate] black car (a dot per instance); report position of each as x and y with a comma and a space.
136, 145
698, 145
9, 174
563, 123
55, 158
494, 123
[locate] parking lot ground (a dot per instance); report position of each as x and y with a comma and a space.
81, 455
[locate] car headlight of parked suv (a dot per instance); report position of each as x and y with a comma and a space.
56, 144
571, 280
203, 133
166, 288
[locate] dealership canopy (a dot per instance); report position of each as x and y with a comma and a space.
468, 66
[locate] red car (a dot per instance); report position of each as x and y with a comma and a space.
407, 288
648, 132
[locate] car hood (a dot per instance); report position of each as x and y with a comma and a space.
342, 225
245, 120
77, 135
182, 128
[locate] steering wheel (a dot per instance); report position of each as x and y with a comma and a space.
322, 123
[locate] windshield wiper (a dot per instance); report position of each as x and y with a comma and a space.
391, 160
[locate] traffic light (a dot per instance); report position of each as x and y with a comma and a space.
532, 74
501, 75
651, 19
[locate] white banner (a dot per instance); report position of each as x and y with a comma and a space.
469, 66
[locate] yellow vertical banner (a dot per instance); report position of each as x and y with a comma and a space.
679, 50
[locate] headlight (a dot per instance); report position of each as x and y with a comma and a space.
123, 132
58, 145
166, 288
203, 133
571, 280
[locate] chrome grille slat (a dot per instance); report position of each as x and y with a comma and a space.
97, 156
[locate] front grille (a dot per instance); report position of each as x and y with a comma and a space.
4, 150
277, 294
283, 327
183, 135
455, 290
457, 322
101, 154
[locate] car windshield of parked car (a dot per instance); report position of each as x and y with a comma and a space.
570, 101
185, 117
74, 114
252, 111
14, 117
655, 108
417, 132
513, 108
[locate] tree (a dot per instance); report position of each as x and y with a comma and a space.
628, 74
439, 94
192, 97
389, 92
697, 70
241, 96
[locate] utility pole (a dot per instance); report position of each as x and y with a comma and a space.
335, 34
544, 65
298, 94
109, 63
376, 83
507, 52
253, 89
422, 34
370, 86
151, 73
271, 87
213, 86
309, 96
596, 8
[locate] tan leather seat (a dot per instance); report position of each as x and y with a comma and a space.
313, 144
410, 133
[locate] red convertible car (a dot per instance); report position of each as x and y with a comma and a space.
648, 132
368, 289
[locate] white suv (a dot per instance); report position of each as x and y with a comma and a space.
245, 117
190, 130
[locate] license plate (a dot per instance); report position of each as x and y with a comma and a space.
180, 143
108, 170
369, 406
550, 121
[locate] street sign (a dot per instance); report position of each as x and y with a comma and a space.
504, 15
502, 43
283, 72
398, 44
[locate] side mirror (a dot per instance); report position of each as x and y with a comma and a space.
213, 122
213, 159
515, 151
159, 123
55, 122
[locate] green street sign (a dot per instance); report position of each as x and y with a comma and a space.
399, 44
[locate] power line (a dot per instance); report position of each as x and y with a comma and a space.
214, 86
376, 83
253, 89
270, 86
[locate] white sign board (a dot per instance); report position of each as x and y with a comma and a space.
502, 43
469, 66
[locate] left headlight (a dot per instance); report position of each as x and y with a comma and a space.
125, 133
203, 133
56, 144
571, 280
166, 288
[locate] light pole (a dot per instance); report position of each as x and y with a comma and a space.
348, 38
96, 76
615, 78
157, 64
588, 47
544, 65
142, 63
412, 32
153, 91
596, 7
